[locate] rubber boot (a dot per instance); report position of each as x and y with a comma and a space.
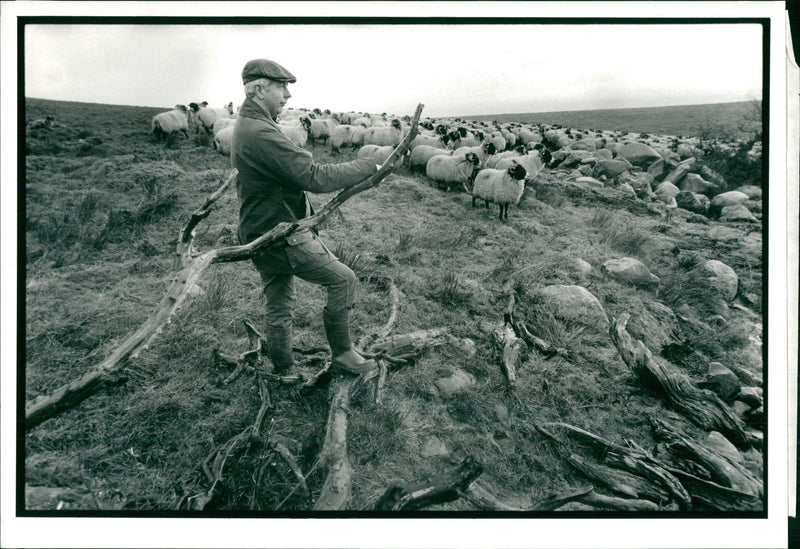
279, 348
344, 357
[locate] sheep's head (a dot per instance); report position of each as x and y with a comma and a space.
445, 139
473, 159
462, 131
194, 106
454, 135
441, 129
480, 136
520, 149
306, 122
182, 108
489, 148
396, 124
517, 171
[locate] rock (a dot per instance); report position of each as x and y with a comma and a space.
637, 181
740, 409
610, 168
666, 191
589, 181
586, 170
710, 175
722, 278
638, 154
685, 151
752, 396
692, 202
657, 169
750, 190
737, 212
696, 184
501, 412
582, 267
603, 154
433, 447
721, 381
680, 171
627, 189
457, 382
629, 271
730, 198
574, 303
475, 290
655, 325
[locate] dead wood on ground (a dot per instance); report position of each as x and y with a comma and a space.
336, 489
702, 407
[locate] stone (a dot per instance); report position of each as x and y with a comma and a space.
684, 151
740, 409
752, 396
586, 170
722, 278
501, 412
603, 154
737, 212
638, 154
630, 271
657, 169
457, 382
750, 190
695, 183
666, 191
696, 203
721, 381
627, 189
680, 171
637, 181
574, 303
433, 447
589, 181
610, 168
730, 198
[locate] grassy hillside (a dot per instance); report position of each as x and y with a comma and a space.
716, 120
103, 205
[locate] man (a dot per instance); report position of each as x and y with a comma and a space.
274, 175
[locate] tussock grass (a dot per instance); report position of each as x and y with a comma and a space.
108, 224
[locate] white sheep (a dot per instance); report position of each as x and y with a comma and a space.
499, 142
206, 116
364, 121
503, 187
390, 135
483, 152
381, 154
418, 159
346, 135
452, 170
295, 131
367, 151
492, 161
429, 139
318, 129
222, 140
221, 123
167, 123
532, 162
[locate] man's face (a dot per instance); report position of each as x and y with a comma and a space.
275, 96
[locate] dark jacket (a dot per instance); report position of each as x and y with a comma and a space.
274, 173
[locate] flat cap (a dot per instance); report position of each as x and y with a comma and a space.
264, 68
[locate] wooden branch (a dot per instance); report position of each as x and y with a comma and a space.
387, 328
713, 496
411, 345
511, 347
702, 407
447, 486
290, 460
185, 247
76, 391
618, 504
336, 489
619, 481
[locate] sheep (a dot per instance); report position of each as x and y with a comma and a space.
503, 187
430, 140
418, 159
221, 123
47, 123
497, 139
364, 121
367, 151
318, 129
452, 170
295, 131
346, 135
391, 135
492, 161
167, 123
483, 152
381, 154
222, 140
532, 162
206, 116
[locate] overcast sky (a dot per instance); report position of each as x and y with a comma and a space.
452, 69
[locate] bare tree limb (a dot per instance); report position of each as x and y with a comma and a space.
336, 489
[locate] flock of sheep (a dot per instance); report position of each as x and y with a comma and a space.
491, 161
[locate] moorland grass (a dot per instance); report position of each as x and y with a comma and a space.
452, 263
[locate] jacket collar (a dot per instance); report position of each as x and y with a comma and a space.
251, 109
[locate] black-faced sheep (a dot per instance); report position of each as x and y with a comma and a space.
222, 140
167, 123
390, 135
318, 129
503, 187
206, 116
532, 162
451, 171
483, 152
492, 161
430, 140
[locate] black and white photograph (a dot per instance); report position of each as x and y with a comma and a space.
356, 274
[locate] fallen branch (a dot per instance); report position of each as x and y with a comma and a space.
447, 486
702, 407
76, 391
511, 348
394, 295
406, 347
336, 489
